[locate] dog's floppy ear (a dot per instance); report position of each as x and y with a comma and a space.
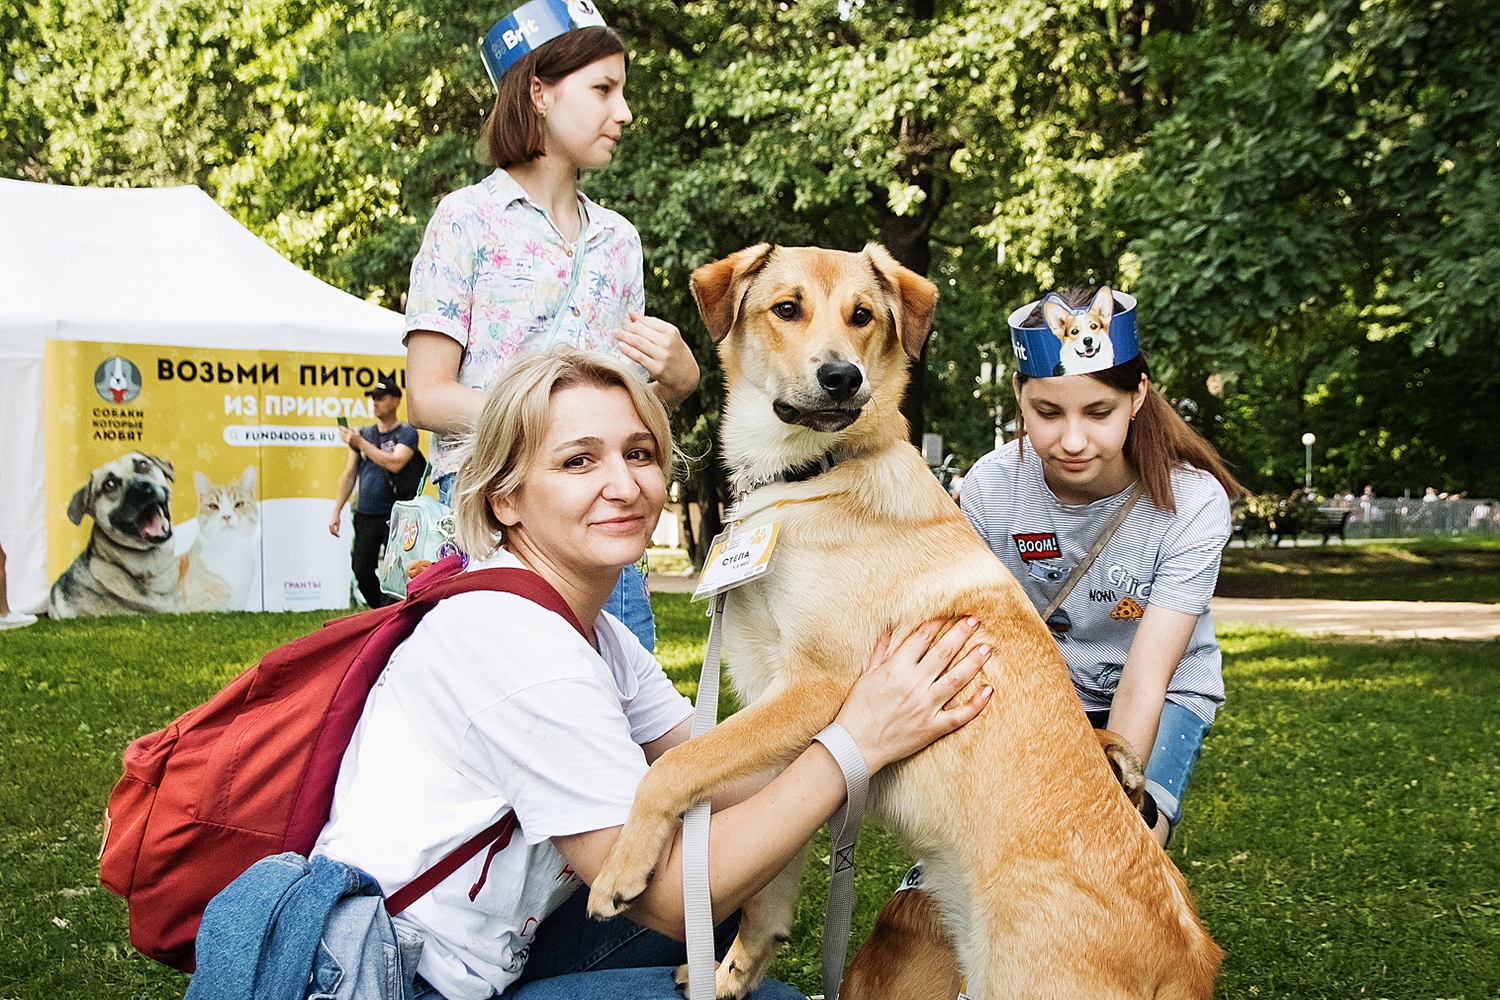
1125, 763
915, 298
718, 287
81, 502
1104, 304
165, 465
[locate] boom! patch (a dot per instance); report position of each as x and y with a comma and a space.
1037, 546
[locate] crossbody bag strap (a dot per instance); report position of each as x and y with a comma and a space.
562, 313
1110, 528
522, 583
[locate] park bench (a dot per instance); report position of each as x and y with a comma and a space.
1325, 521
1329, 523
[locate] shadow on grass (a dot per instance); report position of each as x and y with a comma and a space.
72, 695
1341, 832
1430, 570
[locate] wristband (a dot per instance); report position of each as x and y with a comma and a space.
850, 760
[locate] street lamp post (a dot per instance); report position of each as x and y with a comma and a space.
1308, 439
991, 382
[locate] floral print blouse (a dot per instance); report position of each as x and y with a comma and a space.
494, 271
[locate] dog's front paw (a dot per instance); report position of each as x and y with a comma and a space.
613, 891
736, 977
628, 869
731, 982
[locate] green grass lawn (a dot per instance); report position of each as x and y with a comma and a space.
1425, 570
1342, 836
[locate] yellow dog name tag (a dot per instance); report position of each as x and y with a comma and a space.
736, 559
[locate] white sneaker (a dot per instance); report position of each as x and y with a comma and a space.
17, 619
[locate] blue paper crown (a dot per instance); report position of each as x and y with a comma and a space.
1068, 343
531, 25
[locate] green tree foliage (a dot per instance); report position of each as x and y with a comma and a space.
1304, 193
1313, 218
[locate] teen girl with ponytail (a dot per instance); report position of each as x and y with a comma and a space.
1135, 629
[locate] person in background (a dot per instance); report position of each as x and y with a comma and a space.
956, 484
523, 260
9, 618
375, 452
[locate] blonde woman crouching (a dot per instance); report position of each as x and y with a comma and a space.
495, 703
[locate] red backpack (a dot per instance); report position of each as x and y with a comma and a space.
251, 772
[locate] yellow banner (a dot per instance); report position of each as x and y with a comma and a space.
200, 479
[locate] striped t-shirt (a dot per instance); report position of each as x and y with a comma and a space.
1171, 560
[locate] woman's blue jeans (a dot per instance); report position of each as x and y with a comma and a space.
575, 958
630, 602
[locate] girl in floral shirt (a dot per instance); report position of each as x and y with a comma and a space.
523, 260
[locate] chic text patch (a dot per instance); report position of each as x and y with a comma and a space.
1037, 546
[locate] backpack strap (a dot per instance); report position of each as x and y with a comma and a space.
447, 582
521, 582
498, 835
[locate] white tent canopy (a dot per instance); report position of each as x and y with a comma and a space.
147, 266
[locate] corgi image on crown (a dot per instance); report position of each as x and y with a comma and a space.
1085, 335
1045, 879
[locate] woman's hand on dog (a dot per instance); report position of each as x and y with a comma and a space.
897, 706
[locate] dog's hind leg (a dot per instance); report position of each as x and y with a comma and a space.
767, 735
765, 922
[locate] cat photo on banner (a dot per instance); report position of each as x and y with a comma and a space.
219, 571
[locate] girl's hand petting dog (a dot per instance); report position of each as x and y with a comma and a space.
897, 706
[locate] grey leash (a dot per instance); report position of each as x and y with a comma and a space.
697, 907
843, 832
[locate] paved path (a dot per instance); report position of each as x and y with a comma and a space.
1393, 619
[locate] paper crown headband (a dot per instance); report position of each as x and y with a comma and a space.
1075, 341
531, 25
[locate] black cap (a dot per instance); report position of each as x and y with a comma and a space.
385, 388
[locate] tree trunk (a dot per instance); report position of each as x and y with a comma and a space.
709, 496
909, 239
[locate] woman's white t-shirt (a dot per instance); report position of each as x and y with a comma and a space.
1156, 557
494, 703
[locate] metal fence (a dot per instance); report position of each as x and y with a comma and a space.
1406, 517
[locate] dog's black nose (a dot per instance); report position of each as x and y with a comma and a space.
840, 379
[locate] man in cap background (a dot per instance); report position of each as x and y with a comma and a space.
376, 453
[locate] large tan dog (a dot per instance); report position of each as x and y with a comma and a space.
1046, 878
